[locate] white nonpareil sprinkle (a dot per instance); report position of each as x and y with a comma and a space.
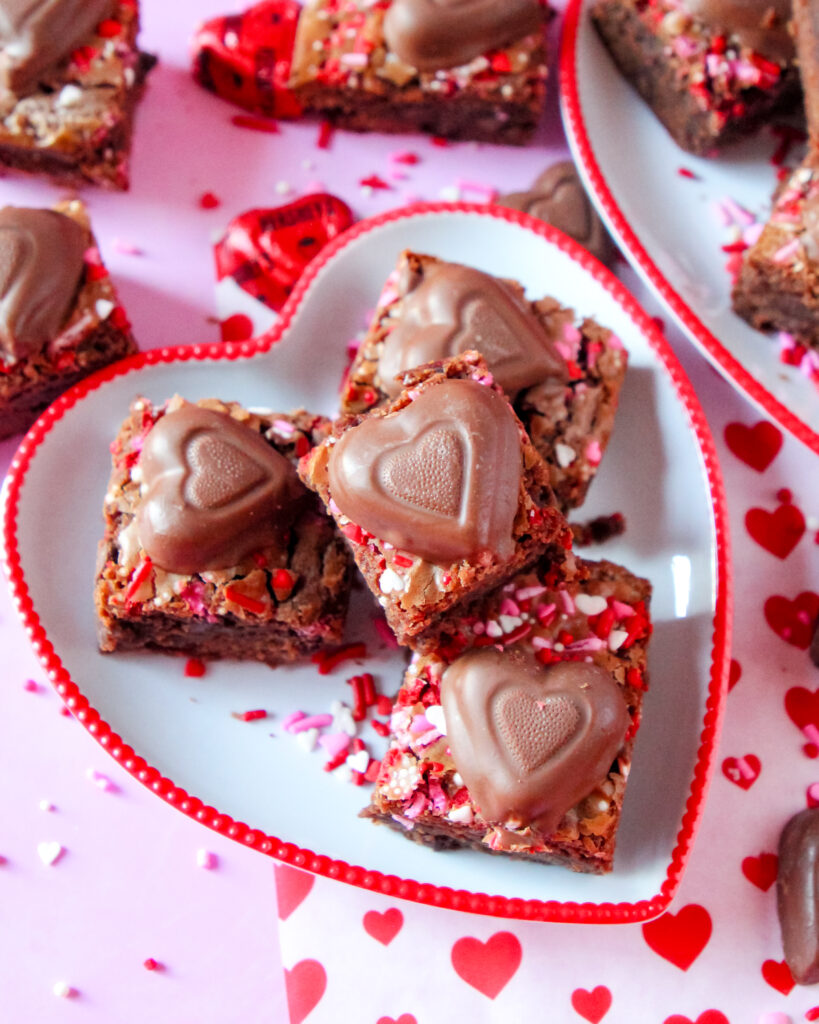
207, 860
390, 582
104, 308
590, 604
283, 188
616, 639
565, 455
450, 193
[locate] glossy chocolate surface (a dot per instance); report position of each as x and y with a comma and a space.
213, 491
453, 309
797, 893
558, 198
439, 478
41, 263
434, 34
531, 742
761, 25
35, 35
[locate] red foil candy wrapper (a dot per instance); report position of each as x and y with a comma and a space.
245, 58
266, 251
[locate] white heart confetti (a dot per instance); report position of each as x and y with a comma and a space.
50, 852
590, 604
435, 716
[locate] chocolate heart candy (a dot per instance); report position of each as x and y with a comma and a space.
433, 34
558, 198
761, 25
214, 491
454, 309
245, 58
266, 251
36, 34
438, 478
797, 891
531, 742
41, 263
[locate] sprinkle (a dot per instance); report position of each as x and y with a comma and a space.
565, 455
70, 95
590, 604
493, 629
353, 59
209, 201
64, 990
384, 632
152, 965
486, 191
785, 252
101, 781
244, 601
737, 213
435, 716
335, 743
328, 660
104, 308
380, 727
310, 722
390, 582
325, 135
617, 638
685, 173
567, 602
358, 762
30, 686
450, 193
292, 718
342, 718
206, 860
284, 188
593, 453
404, 157
256, 124
307, 740
46, 805
250, 716
383, 705
127, 248
50, 852
621, 609
195, 667
374, 182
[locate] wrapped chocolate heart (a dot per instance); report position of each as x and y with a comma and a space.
531, 742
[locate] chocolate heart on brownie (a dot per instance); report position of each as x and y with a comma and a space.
439, 477
453, 309
531, 742
434, 34
41, 263
214, 491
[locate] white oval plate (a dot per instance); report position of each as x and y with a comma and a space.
665, 224
178, 734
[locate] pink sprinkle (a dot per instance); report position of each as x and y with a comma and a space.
310, 722
354, 60
207, 860
775, 1018
571, 334
589, 643
541, 643
284, 428
292, 718
621, 609
750, 236
334, 742
128, 248
404, 157
486, 191
102, 781
384, 631
745, 770
508, 607
31, 686
722, 215
783, 254
812, 733
564, 350
419, 724
567, 601
527, 593
738, 214
593, 453
479, 628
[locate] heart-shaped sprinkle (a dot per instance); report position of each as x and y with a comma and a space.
266, 251
245, 58
448, 309
435, 716
558, 198
214, 491
438, 478
590, 604
434, 34
50, 852
531, 742
41, 263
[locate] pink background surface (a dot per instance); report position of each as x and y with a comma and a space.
127, 886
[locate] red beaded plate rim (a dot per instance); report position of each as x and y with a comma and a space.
481, 903
576, 129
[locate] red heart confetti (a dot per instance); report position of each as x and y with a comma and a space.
802, 707
266, 251
383, 927
778, 975
706, 1017
681, 937
812, 1013
734, 674
756, 446
592, 1006
743, 771
793, 620
238, 327
405, 1018
761, 870
305, 983
778, 532
292, 887
487, 966
245, 58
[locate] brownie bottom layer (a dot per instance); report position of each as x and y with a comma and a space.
444, 837
772, 300
641, 58
454, 118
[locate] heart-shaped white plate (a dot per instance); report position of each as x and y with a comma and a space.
665, 222
180, 735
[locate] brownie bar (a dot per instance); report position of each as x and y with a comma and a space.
705, 85
602, 621
344, 70
569, 420
95, 334
433, 482
76, 125
284, 601
778, 283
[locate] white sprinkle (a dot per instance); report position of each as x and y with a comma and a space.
435, 716
47, 805
50, 852
462, 814
64, 990
207, 860
590, 604
308, 165
342, 719
390, 582
104, 308
616, 639
284, 188
307, 739
565, 455
342, 774
450, 193
130, 76
70, 96
493, 629
509, 622
358, 761
231, 40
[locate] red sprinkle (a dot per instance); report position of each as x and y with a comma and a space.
358, 745
368, 687
238, 327
109, 28
373, 181
356, 778
328, 660
380, 727
383, 705
438, 140
141, 574
373, 768
403, 561
152, 965
325, 135
283, 582
256, 124
407, 158
354, 532
195, 667
634, 678
250, 604
359, 703
336, 762
209, 201
685, 173
251, 716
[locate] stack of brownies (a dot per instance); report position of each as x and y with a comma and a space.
472, 420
